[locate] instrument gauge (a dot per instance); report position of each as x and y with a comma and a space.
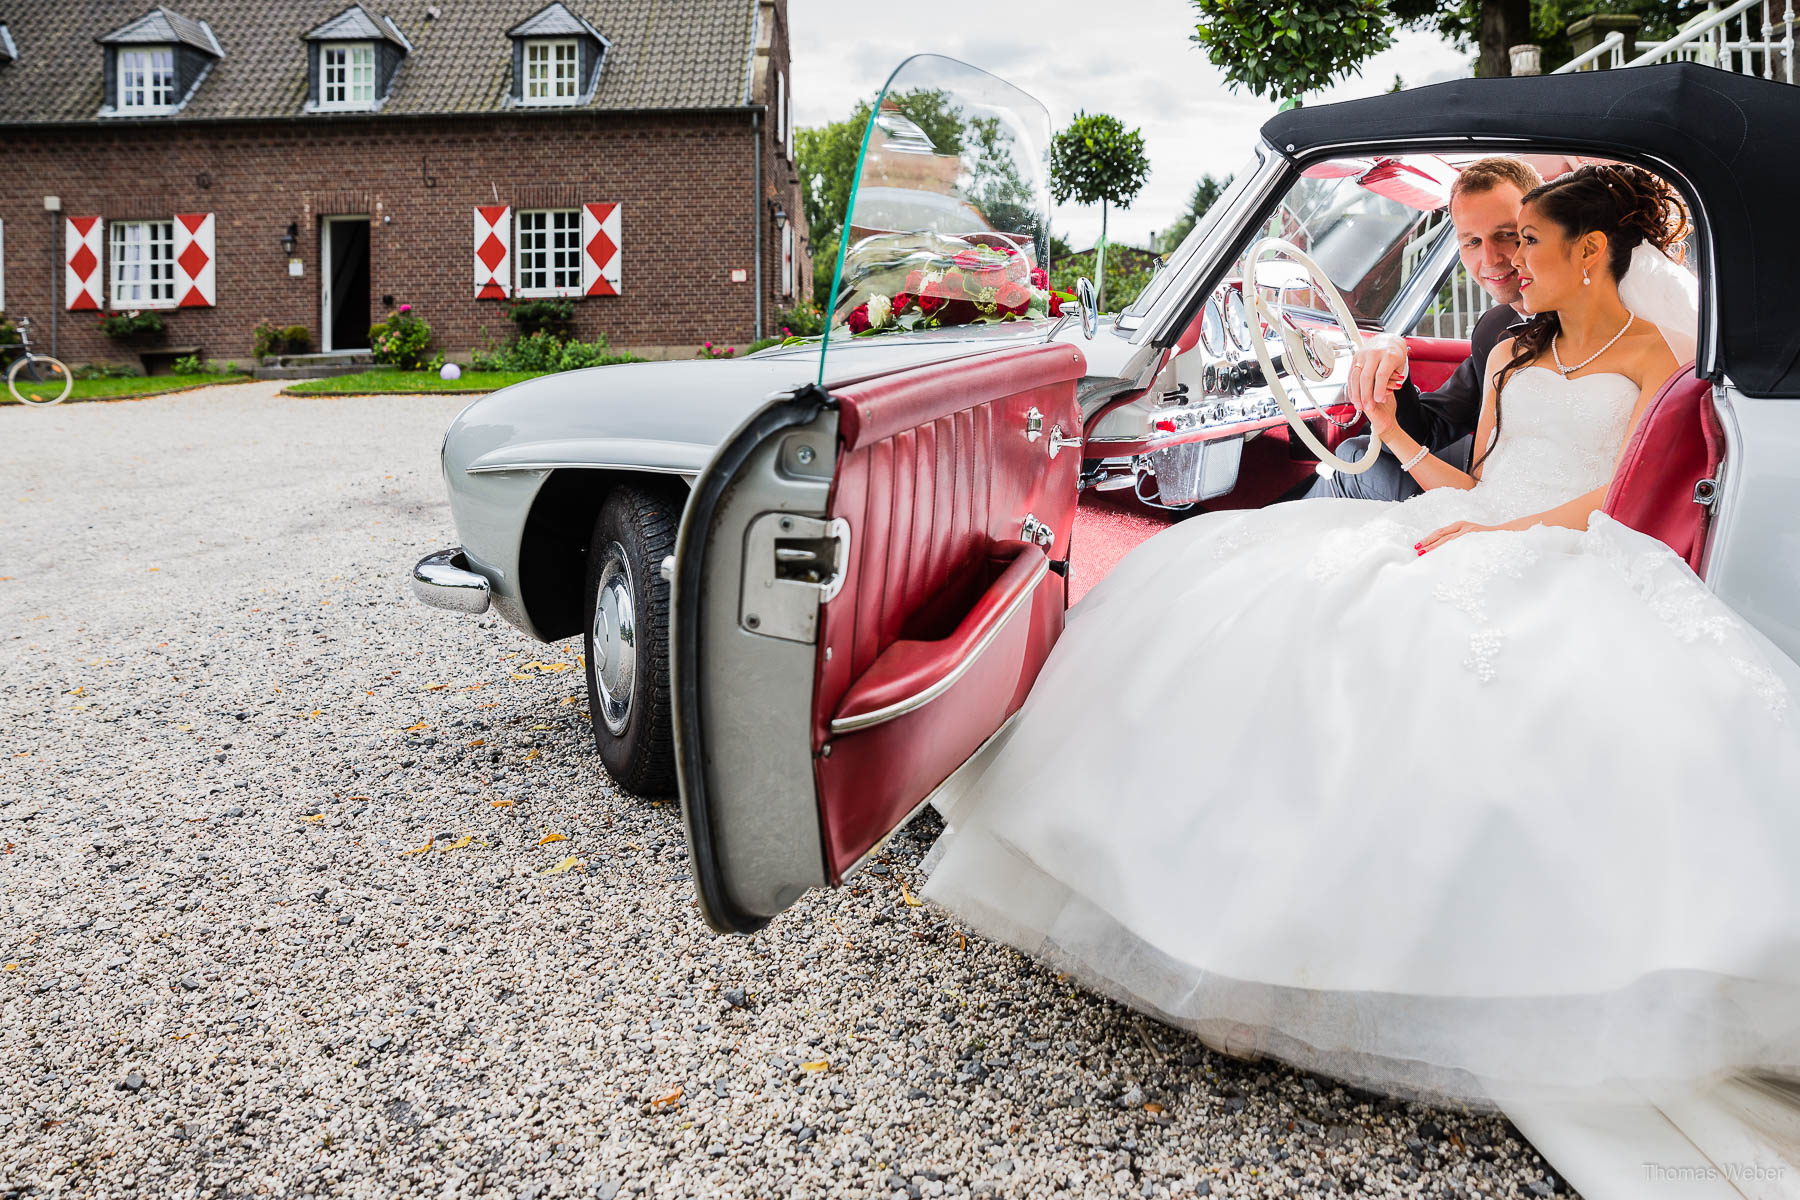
1237, 320
1212, 328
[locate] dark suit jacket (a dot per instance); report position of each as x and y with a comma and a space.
1436, 419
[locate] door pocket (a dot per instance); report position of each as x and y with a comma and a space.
908, 675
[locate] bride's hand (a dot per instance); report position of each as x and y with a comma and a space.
1448, 533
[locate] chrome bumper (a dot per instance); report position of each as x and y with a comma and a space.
443, 580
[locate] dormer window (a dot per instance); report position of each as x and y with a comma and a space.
146, 79
557, 58
347, 75
9, 52
155, 63
351, 61
551, 71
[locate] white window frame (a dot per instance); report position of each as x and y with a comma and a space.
354, 75
144, 61
141, 257
545, 81
546, 244
781, 109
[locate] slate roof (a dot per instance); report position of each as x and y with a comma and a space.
665, 54
160, 25
554, 20
353, 24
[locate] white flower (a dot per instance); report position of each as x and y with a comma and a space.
881, 311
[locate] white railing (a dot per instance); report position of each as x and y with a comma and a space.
1749, 37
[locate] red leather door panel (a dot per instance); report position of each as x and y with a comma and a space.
936, 476
1434, 360
1677, 443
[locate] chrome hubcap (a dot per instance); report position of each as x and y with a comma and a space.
615, 640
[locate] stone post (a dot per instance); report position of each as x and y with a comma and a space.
1589, 32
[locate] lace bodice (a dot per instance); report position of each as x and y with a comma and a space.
1559, 438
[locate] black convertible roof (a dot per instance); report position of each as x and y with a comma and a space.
1735, 138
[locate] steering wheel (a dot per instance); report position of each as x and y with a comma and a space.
1297, 355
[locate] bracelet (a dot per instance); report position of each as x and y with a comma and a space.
1412, 462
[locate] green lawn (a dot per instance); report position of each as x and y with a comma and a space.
135, 385
392, 381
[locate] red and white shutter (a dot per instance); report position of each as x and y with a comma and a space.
787, 258
600, 249
194, 284
83, 254
493, 251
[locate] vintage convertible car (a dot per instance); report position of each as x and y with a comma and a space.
811, 583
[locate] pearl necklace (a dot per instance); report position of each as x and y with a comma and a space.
1568, 371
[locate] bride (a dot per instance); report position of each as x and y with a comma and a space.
1479, 796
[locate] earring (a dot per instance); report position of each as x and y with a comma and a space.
1585, 281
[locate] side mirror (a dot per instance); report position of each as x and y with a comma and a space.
1090, 307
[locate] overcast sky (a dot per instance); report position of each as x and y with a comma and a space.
1130, 58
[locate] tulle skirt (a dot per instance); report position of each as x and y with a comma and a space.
1518, 818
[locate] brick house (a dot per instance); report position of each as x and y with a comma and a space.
312, 162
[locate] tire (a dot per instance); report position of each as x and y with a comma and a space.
625, 631
39, 379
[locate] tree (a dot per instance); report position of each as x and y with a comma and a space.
826, 159
1206, 194
1096, 160
1281, 48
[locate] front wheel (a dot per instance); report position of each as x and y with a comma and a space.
626, 633
39, 379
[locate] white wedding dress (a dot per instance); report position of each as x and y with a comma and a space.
1514, 818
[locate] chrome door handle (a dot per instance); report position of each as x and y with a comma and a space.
1058, 442
1034, 530
1034, 424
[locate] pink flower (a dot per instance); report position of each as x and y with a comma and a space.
406, 308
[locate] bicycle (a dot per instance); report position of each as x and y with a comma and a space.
36, 378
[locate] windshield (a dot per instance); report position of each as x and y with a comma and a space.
948, 221
1366, 222
1170, 267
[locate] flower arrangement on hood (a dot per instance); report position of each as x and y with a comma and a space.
975, 286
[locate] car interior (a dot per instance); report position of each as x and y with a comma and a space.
1206, 436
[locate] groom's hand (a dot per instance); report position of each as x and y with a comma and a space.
1376, 372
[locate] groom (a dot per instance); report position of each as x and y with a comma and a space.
1484, 209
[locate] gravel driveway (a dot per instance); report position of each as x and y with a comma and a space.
311, 890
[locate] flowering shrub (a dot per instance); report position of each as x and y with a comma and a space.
802, 320
132, 325
401, 340
268, 338
544, 351
711, 351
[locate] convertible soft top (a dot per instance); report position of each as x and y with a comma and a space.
1735, 138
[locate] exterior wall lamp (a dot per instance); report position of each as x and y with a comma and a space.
290, 239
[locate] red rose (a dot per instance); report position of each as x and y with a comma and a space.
968, 259
1013, 296
929, 304
957, 312
859, 319
1055, 305
953, 285
902, 302
915, 282
1040, 278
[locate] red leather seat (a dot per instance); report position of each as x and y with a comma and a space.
1677, 443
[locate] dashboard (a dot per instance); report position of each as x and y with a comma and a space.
1208, 399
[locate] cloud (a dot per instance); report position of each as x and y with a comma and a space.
1140, 67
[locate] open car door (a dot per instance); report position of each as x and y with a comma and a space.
867, 580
